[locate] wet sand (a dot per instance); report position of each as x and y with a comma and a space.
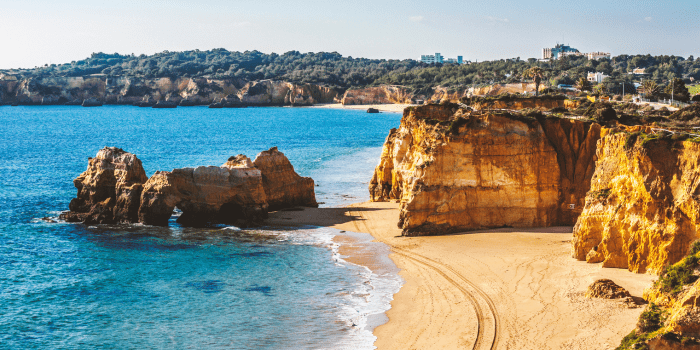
512, 288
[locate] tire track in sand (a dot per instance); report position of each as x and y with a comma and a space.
487, 317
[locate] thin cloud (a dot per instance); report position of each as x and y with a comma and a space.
648, 19
241, 24
496, 19
416, 18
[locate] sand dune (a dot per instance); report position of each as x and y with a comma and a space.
496, 289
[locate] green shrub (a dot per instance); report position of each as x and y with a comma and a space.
651, 319
678, 275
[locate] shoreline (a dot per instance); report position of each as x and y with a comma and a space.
518, 287
383, 108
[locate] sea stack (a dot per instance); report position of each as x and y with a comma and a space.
109, 191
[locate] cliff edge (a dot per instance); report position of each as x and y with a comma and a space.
453, 169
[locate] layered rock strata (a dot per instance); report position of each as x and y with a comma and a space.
109, 191
224, 194
643, 208
130, 90
385, 94
115, 189
455, 170
284, 188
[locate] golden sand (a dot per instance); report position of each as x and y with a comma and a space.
512, 288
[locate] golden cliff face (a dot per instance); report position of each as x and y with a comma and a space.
643, 208
453, 170
385, 94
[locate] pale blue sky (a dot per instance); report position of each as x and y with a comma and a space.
35, 32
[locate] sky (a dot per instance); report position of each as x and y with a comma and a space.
38, 32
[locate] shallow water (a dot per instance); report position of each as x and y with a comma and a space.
71, 286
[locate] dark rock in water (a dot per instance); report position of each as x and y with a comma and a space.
232, 101
144, 104
14, 104
74, 103
165, 104
109, 191
216, 105
91, 102
372, 110
187, 103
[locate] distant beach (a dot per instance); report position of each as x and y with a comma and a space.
388, 108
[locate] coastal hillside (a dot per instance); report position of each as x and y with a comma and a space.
205, 77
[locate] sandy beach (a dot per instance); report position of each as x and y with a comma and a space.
495, 289
391, 108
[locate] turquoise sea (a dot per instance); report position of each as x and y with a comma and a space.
69, 286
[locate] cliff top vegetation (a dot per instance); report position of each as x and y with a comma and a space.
333, 69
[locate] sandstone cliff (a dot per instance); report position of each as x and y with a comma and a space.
284, 188
672, 318
385, 94
454, 170
642, 211
131, 90
232, 195
109, 190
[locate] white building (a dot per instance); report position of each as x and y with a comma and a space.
597, 55
597, 77
437, 58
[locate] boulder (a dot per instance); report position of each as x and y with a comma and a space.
283, 186
606, 289
109, 190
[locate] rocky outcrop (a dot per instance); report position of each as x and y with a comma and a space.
224, 194
385, 94
672, 318
606, 289
518, 103
114, 189
109, 191
643, 208
453, 170
131, 90
284, 188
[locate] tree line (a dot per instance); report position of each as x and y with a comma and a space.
343, 72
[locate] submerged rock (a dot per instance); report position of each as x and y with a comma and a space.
109, 190
283, 186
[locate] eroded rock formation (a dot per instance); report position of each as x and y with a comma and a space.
385, 94
643, 208
284, 188
224, 194
131, 90
453, 170
115, 189
109, 191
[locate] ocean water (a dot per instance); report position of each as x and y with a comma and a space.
69, 286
